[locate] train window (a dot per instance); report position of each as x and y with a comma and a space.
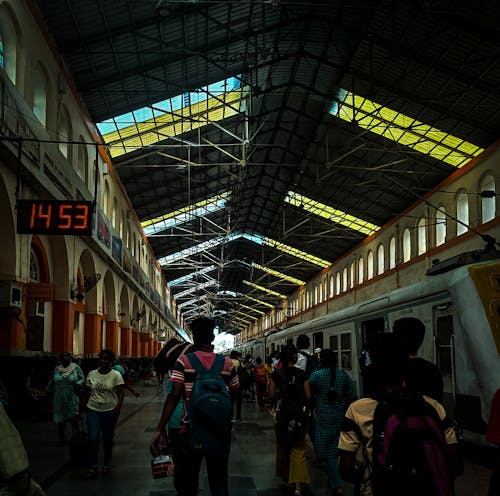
444, 345
370, 328
345, 351
317, 340
334, 344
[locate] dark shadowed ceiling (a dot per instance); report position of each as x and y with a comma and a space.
419, 70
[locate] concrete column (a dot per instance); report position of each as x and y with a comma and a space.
63, 321
92, 337
126, 342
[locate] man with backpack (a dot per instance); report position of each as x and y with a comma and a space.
306, 360
202, 379
403, 440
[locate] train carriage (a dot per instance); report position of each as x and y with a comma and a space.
460, 310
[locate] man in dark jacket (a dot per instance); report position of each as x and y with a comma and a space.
422, 376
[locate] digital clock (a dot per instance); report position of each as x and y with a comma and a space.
54, 217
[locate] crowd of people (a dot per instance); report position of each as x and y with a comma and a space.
395, 439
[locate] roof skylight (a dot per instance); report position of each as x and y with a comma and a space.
332, 214
185, 214
252, 309
263, 289
261, 240
149, 125
402, 129
260, 302
211, 282
278, 274
192, 275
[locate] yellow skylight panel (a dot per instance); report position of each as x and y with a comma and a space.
252, 309
151, 131
331, 214
260, 302
244, 321
278, 274
290, 250
403, 129
263, 289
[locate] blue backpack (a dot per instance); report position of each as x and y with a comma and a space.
209, 412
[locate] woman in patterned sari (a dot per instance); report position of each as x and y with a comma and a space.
329, 391
65, 378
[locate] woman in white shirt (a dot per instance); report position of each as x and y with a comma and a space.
103, 408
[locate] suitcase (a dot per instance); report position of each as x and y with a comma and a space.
79, 446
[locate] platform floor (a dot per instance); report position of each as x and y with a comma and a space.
251, 466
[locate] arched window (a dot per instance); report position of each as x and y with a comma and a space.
344, 279
488, 203
406, 245
462, 213
9, 42
392, 253
105, 200
123, 228
65, 133
82, 165
361, 270
114, 215
315, 295
332, 286
352, 275
380, 259
34, 267
422, 236
338, 287
40, 97
440, 226
369, 265
1, 51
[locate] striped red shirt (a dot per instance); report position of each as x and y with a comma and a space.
184, 373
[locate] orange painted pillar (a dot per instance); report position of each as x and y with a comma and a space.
92, 337
126, 342
142, 347
63, 321
112, 329
136, 343
12, 329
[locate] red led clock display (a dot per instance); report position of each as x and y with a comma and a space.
54, 217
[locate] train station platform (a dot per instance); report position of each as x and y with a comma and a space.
251, 467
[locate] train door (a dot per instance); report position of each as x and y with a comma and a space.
445, 355
368, 329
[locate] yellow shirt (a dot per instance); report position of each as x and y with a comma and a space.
361, 413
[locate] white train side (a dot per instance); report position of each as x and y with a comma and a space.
461, 312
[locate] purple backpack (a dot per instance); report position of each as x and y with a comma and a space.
410, 454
